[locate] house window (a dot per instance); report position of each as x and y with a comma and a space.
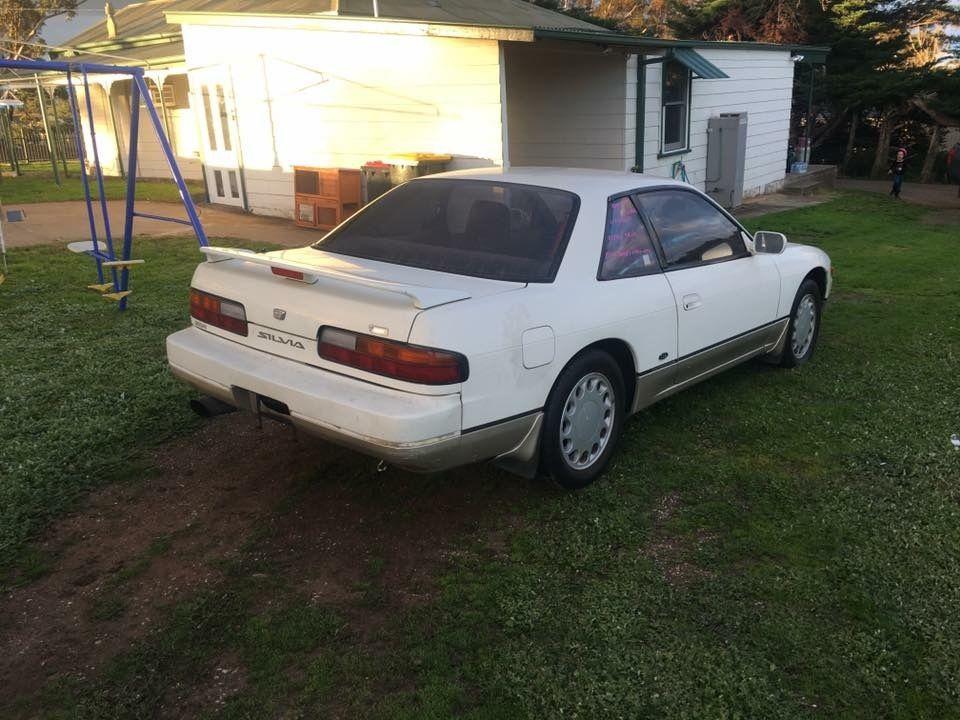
169, 96
675, 108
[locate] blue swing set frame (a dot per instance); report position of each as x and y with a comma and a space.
102, 249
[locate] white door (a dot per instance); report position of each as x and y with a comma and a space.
722, 292
218, 130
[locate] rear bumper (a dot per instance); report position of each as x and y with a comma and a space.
417, 432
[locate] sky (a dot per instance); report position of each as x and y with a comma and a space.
89, 13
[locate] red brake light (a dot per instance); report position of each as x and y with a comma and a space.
217, 311
412, 363
283, 272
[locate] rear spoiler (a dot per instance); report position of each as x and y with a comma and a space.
422, 297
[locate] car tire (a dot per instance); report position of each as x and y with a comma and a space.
575, 449
803, 330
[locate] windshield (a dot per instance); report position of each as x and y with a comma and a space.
495, 230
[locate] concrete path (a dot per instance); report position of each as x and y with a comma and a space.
937, 196
62, 222
778, 202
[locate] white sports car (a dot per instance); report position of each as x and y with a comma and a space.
518, 315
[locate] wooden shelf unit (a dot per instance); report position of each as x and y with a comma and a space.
325, 197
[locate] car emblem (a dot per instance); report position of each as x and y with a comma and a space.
279, 313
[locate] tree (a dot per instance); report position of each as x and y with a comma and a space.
779, 21
21, 22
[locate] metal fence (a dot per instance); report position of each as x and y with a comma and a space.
30, 145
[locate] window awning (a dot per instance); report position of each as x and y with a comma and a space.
698, 64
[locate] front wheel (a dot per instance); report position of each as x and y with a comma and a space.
804, 328
583, 418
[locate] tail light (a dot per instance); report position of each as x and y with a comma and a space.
284, 272
217, 311
412, 363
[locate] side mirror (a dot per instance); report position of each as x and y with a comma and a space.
769, 242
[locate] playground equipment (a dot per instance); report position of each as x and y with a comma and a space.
113, 269
3, 250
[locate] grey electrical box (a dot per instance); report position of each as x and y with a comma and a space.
726, 155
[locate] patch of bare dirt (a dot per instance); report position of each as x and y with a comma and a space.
333, 526
228, 677
670, 552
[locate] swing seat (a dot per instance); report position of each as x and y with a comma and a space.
117, 296
84, 246
121, 263
101, 288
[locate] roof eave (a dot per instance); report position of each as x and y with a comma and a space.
341, 23
135, 41
640, 43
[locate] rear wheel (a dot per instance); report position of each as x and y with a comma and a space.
583, 418
804, 328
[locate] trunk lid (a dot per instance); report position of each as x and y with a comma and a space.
355, 294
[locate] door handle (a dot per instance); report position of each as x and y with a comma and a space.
691, 301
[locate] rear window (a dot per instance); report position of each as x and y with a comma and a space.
501, 231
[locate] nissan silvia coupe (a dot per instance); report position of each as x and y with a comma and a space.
513, 315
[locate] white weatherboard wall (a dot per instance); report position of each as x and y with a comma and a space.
339, 99
102, 128
569, 108
151, 162
181, 130
760, 84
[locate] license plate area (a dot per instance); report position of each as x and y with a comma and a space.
259, 404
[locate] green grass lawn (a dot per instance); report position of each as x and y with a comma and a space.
770, 544
69, 430
36, 184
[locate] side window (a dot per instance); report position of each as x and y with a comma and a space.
674, 109
691, 230
627, 248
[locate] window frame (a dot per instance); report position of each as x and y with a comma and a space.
667, 267
654, 241
562, 246
685, 103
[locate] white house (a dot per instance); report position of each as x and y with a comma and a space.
252, 90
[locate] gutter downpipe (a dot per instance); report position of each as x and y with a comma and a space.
641, 113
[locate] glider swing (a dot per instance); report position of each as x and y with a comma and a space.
113, 268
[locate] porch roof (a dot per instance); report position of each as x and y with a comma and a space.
697, 63
158, 53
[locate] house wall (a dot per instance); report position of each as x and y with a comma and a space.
340, 99
181, 129
150, 162
760, 83
102, 128
569, 107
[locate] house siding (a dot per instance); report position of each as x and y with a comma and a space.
102, 128
760, 84
573, 109
340, 99
181, 131
151, 162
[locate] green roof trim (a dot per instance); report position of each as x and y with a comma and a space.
642, 42
698, 64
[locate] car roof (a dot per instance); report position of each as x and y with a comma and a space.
576, 180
